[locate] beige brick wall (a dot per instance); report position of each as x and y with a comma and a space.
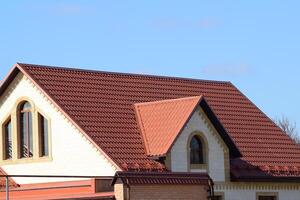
170, 192
119, 191
218, 153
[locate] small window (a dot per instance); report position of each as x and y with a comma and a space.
266, 197
43, 136
25, 130
7, 140
196, 151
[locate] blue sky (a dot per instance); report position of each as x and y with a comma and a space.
254, 44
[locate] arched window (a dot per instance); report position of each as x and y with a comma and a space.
196, 151
25, 130
7, 142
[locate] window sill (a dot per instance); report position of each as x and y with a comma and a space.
25, 160
198, 166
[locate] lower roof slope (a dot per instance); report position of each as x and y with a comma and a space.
162, 178
101, 103
3, 180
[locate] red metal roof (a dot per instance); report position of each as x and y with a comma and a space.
173, 178
243, 171
101, 104
161, 121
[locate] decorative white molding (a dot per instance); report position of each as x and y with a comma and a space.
256, 186
212, 130
219, 140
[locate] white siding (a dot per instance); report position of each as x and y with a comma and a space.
72, 153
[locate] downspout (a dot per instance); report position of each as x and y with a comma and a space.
7, 187
127, 190
211, 189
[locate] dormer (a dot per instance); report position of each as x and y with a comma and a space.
186, 134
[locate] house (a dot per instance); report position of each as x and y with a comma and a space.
81, 134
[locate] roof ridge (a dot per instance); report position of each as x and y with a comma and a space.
168, 100
124, 73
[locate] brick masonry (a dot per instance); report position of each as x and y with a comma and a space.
162, 192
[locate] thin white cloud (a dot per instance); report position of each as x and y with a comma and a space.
176, 23
227, 69
209, 23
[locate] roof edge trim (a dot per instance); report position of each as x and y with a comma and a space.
13, 72
141, 129
233, 149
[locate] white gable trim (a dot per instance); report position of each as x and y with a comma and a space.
68, 119
23, 76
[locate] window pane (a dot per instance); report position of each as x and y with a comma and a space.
43, 135
7, 141
26, 136
196, 151
26, 106
23, 135
30, 134
194, 143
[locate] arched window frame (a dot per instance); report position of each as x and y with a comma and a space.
14, 116
26, 130
6, 138
196, 151
200, 136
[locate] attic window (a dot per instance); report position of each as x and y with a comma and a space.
25, 135
196, 151
25, 130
